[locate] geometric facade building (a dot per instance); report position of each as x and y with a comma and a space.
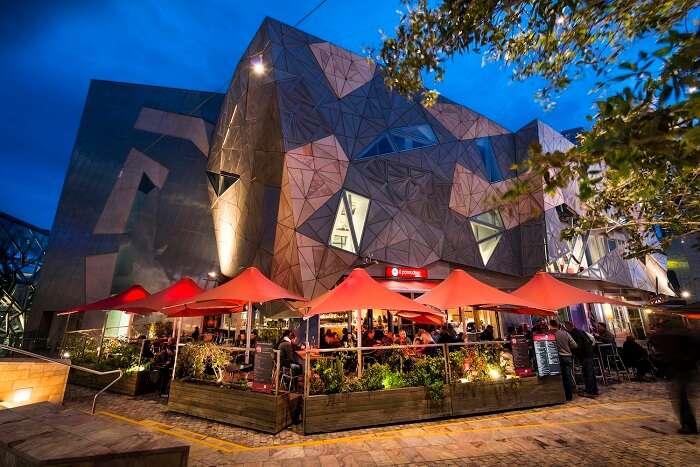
134, 207
333, 169
22, 249
307, 166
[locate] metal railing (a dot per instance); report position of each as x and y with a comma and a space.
79, 368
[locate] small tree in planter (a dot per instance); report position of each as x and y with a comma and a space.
195, 359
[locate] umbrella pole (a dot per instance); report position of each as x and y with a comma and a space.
102, 336
248, 326
178, 325
307, 334
359, 343
230, 318
65, 331
462, 324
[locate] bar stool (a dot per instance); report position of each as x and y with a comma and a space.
617, 365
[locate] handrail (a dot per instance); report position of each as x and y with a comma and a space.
77, 367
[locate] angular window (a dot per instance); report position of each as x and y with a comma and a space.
400, 139
488, 230
493, 170
348, 229
221, 182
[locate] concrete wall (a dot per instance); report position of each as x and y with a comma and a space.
26, 381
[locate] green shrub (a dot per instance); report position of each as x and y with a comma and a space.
195, 359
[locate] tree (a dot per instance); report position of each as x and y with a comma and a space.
638, 168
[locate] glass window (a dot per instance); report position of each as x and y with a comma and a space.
347, 230
596, 248
493, 170
488, 230
221, 182
400, 139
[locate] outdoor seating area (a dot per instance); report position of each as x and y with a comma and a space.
358, 355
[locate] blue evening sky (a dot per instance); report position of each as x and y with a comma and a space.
49, 51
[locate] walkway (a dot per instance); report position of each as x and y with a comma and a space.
630, 424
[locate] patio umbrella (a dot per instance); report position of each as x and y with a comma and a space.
250, 286
132, 294
460, 289
359, 291
553, 294
176, 294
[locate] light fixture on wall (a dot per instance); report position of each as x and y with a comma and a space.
213, 274
22, 395
685, 294
256, 63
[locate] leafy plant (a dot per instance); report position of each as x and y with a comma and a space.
196, 359
374, 375
331, 374
428, 372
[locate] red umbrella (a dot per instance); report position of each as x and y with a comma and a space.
461, 289
359, 291
249, 286
552, 293
132, 294
185, 311
178, 293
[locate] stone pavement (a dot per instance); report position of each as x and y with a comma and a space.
629, 424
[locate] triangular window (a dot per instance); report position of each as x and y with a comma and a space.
488, 230
220, 182
347, 230
400, 139
493, 170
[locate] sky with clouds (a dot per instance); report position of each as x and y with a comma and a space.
49, 51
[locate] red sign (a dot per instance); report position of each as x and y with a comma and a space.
401, 272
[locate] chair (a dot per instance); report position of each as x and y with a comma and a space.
616, 365
288, 379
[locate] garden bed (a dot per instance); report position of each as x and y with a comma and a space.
334, 412
517, 393
131, 384
247, 409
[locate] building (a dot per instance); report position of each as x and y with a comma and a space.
572, 134
314, 167
22, 249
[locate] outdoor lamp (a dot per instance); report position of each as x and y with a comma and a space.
256, 63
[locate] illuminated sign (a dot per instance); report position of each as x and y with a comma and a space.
401, 272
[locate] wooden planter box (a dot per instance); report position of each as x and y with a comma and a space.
247, 409
131, 384
473, 398
333, 412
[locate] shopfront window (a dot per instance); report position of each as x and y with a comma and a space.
348, 229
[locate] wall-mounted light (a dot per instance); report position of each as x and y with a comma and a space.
256, 63
685, 294
66, 355
22, 395
213, 274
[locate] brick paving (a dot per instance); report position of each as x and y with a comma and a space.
629, 424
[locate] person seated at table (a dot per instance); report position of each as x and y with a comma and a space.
445, 336
195, 334
287, 356
241, 339
487, 334
253, 337
635, 356
603, 335
402, 338
348, 339
388, 338
370, 339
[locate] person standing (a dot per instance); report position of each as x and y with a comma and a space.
565, 343
585, 352
680, 349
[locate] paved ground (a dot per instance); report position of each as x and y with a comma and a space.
630, 424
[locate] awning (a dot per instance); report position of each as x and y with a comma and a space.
552, 293
462, 290
132, 294
176, 294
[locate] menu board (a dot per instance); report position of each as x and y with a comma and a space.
546, 354
264, 366
521, 356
